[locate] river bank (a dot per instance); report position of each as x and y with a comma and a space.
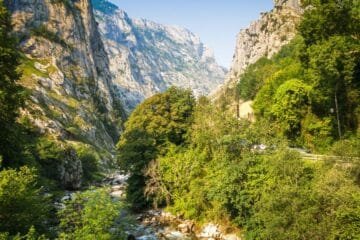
161, 225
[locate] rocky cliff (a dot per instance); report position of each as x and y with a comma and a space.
65, 67
147, 58
266, 36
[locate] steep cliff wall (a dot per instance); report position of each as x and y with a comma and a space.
263, 38
147, 57
266, 36
65, 67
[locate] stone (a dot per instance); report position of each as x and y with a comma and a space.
167, 216
186, 227
117, 187
210, 231
175, 235
230, 237
117, 194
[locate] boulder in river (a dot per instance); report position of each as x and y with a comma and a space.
186, 227
211, 231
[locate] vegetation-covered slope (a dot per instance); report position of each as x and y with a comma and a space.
311, 88
231, 170
65, 70
192, 157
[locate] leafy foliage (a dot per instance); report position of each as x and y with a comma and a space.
11, 94
272, 194
291, 102
321, 20
161, 120
91, 215
325, 58
203, 163
22, 205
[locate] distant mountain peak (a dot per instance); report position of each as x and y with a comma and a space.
104, 6
147, 57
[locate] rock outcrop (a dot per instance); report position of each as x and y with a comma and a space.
263, 38
266, 36
65, 66
147, 57
70, 170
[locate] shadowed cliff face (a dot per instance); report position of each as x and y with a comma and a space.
66, 68
147, 57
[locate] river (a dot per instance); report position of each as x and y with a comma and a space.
158, 224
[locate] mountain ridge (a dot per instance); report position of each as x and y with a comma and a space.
65, 68
147, 57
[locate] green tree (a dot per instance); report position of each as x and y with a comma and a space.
91, 215
159, 121
331, 58
254, 77
11, 94
321, 20
291, 102
333, 72
22, 204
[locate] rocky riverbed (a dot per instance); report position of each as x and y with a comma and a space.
161, 225
157, 224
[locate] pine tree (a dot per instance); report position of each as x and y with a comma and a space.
11, 94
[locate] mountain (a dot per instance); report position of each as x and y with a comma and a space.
65, 68
266, 36
146, 57
84, 73
263, 38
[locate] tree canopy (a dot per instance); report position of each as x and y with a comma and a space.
11, 93
159, 121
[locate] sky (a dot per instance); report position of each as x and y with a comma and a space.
216, 22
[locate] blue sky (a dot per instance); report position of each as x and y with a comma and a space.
216, 21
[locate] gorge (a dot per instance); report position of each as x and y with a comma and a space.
114, 127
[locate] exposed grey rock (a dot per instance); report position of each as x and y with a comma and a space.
67, 71
295, 4
263, 38
211, 231
266, 36
147, 57
186, 227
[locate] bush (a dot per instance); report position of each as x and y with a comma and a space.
93, 215
22, 204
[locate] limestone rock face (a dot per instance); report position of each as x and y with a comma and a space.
266, 36
65, 66
263, 38
147, 57
295, 4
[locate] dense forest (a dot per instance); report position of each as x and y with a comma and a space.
197, 159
